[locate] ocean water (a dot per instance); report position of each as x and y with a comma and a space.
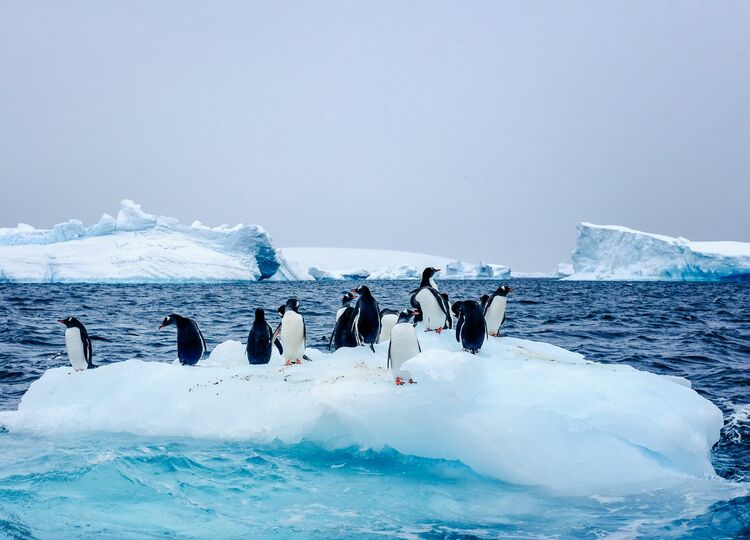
122, 486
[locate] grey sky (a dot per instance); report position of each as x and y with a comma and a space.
340, 124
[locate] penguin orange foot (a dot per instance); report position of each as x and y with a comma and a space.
399, 381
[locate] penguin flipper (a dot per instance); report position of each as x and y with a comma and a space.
305, 357
505, 316
388, 363
276, 341
372, 347
203, 340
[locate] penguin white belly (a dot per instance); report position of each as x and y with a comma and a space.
74, 346
495, 314
339, 312
293, 335
432, 311
404, 345
386, 325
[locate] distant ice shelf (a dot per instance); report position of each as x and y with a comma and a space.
323, 263
610, 252
137, 247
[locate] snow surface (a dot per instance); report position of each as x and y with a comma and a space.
618, 253
521, 411
136, 247
350, 263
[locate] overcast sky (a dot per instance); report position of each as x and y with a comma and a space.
470, 130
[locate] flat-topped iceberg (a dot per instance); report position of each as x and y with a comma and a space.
137, 247
618, 253
521, 411
322, 263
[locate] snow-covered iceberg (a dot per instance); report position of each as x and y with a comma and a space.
520, 411
322, 263
137, 247
618, 253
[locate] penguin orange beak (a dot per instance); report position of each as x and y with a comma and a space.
61, 321
510, 289
354, 290
161, 326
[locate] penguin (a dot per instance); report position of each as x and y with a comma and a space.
366, 318
403, 346
483, 300
293, 333
427, 300
342, 335
447, 304
78, 344
494, 309
260, 340
190, 342
388, 319
471, 327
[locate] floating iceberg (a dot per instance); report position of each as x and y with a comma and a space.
137, 247
619, 253
344, 263
521, 411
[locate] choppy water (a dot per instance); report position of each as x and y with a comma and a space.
118, 486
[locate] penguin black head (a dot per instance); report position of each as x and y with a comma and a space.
281, 310
260, 314
362, 290
429, 272
484, 299
70, 322
169, 319
503, 290
292, 304
406, 315
456, 308
445, 297
348, 297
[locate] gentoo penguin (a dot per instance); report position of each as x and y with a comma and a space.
388, 319
403, 346
366, 318
260, 339
494, 309
190, 342
447, 304
430, 304
343, 335
470, 327
293, 333
78, 344
483, 300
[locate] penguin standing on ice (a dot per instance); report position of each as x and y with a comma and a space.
78, 344
342, 335
388, 319
366, 318
293, 333
471, 327
427, 300
260, 340
494, 309
190, 342
403, 346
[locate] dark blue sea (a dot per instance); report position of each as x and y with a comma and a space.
125, 486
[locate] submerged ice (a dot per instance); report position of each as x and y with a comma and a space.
521, 411
613, 252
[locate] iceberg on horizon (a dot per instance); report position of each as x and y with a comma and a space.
610, 252
137, 247
322, 263
521, 411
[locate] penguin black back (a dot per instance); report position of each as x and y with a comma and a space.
471, 328
190, 342
366, 318
258, 349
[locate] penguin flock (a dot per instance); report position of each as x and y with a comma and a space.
360, 324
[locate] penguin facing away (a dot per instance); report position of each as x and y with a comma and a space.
471, 327
346, 301
366, 318
388, 319
190, 342
293, 333
494, 309
427, 300
260, 340
342, 335
77, 344
403, 346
